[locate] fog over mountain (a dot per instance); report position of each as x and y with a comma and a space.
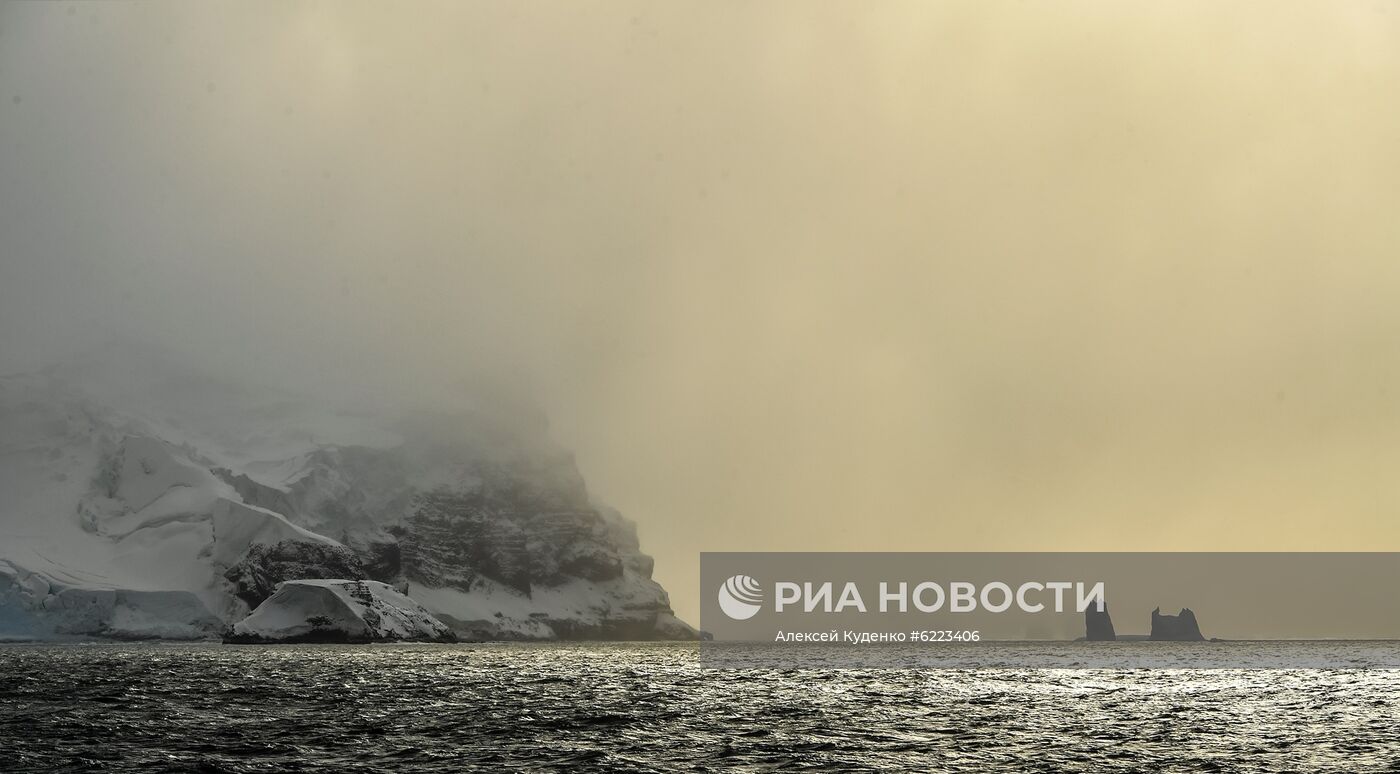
778, 277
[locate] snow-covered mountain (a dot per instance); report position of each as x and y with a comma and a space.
142, 499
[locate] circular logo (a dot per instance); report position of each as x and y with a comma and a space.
740, 597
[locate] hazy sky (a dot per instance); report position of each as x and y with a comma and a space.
786, 275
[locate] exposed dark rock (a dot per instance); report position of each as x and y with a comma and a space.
257, 576
1175, 628
455, 539
488, 523
382, 559
1098, 626
452, 540
518, 518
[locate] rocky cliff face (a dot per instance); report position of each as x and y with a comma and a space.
1175, 628
1098, 626
180, 484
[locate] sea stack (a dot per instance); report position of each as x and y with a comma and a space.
1098, 626
1175, 628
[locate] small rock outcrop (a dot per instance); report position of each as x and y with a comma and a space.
1175, 628
1098, 626
339, 611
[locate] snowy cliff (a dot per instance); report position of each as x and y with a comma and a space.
163, 502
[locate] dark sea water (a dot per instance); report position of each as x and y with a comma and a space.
651, 707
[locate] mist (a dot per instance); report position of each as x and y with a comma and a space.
784, 276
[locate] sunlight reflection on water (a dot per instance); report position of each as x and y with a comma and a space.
651, 707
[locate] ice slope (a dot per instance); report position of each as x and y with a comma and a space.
34, 606
66, 570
